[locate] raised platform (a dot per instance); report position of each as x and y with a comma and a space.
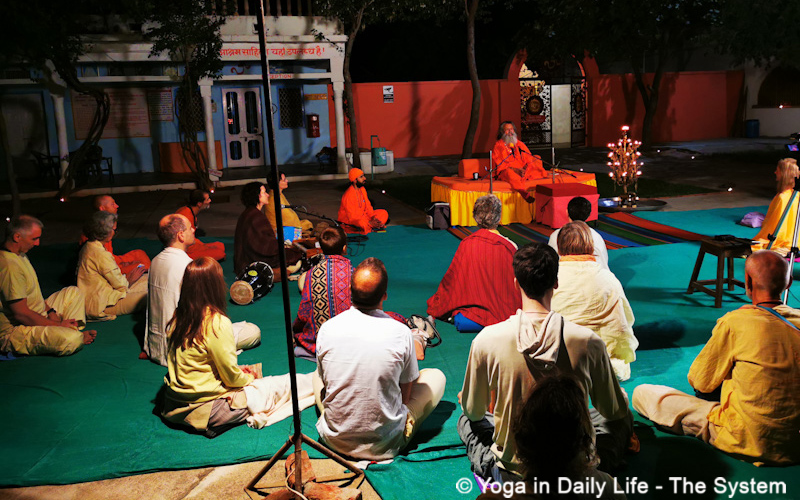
461, 194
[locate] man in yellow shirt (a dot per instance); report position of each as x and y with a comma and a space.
28, 323
752, 358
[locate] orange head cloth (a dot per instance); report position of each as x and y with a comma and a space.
355, 173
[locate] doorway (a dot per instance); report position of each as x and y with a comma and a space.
244, 135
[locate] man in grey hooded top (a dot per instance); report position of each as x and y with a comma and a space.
507, 359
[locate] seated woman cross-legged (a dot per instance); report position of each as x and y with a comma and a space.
478, 288
785, 175
254, 239
593, 297
108, 292
206, 389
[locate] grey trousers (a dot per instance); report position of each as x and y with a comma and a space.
224, 418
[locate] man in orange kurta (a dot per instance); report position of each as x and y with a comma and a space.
129, 261
356, 212
200, 200
514, 162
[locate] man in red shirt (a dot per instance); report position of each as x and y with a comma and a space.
356, 212
514, 162
200, 200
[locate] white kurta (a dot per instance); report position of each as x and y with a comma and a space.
164, 291
593, 297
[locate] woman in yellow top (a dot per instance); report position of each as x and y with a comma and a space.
785, 175
290, 218
109, 293
204, 383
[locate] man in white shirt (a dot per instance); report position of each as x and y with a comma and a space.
369, 389
164, 290
579, 208
507, 359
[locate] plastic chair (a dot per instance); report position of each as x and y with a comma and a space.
46, 165
95, 159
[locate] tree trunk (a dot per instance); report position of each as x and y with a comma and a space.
16, 208
190, 148
471, 7
66, 70
350, 109
650, 96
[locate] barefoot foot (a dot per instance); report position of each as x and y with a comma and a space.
88, 336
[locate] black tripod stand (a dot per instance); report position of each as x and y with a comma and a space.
297, 438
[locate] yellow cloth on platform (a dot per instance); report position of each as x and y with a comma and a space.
461, 194
783, 240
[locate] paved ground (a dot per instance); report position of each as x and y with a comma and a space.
752, 182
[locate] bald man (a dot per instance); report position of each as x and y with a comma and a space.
164, 290
126, 262
371, 394
752, 359
200, 200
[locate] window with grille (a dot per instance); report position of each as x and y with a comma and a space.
290, 103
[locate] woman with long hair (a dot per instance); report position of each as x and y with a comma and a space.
204, 383
785, 175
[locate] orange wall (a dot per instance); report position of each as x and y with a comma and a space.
692, 106
431, 118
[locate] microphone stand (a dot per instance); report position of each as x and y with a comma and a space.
491, 172
302, 210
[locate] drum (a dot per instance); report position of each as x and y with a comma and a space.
255, 281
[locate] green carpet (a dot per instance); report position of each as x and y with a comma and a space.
89, 416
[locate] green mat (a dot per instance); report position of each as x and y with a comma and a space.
89, 416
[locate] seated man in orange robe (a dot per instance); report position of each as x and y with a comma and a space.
514, 162
200, 200
356, 211
129, 261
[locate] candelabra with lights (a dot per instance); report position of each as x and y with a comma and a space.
623, 160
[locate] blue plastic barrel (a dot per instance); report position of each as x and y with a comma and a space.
751, 129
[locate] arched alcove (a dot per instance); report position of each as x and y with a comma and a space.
781, 87
553, 103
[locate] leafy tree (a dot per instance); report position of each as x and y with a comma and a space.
760, 31
186, 31
471, 11
45, 36
624, 30
354, 15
